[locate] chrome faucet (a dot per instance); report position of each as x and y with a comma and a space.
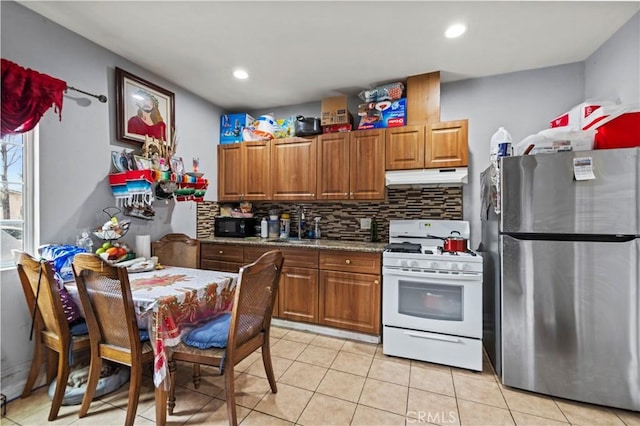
300, 213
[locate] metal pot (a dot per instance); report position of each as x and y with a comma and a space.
454, 243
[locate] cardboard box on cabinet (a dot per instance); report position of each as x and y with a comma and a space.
231, 127
378, 115
334, 111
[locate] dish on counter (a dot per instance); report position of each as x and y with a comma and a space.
141, 267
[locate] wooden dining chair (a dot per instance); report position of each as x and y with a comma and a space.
249, 329
105, 295
52, 332
177, 250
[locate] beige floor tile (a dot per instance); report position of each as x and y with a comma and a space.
256, 418
584, 414
287, 404
299, 336
120, 398
34, 410
352, 363
630, 418
215, 413
188, 403
328, 342
342, 385
288, 349
104, 415
385, 396
428, 379
318, 355
479, 391
534, 404
280, 365
303, 375
431, 366
278, 332
486, 373
430, 407
367, 416
211, 382
472, 414
250, 359
6, 422
523, 419
390, 371
324, 410
380, 355
249, 390
359, 348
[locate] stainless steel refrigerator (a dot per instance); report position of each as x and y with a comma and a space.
569, 270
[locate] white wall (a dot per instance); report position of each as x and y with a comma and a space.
75, 154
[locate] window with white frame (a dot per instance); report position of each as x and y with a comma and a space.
17, 195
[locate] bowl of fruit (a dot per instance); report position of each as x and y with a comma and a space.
115, 252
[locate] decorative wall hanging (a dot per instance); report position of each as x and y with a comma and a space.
143, 109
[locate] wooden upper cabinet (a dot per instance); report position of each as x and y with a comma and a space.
293, 168
447, 144
244, 171
366, 158
405, 147
229, 172
423, 98
257, 170
333, 166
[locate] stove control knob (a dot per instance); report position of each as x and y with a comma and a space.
413, 263
465, 267
403, 263
454, 267
434, 265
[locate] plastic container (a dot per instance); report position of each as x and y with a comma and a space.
500, 145
264, 228
274, 228
316, 231
285, 225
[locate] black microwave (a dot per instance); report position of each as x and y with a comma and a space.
238, 227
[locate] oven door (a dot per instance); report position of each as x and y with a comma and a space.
431, 301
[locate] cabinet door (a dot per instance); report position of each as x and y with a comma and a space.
293, 168
447, 144
404, 148
350, 301
333, 166
298, 294
366, 179
230, 172
256, 161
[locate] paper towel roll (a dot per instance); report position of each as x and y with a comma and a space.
143, 246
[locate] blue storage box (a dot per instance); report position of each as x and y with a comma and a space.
231, 127
379, 115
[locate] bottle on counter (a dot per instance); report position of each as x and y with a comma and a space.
375, 237
264, 228
285, 225
316, 230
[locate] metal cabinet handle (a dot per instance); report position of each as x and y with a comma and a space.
376, 282
348, 262
346, 194
220, 252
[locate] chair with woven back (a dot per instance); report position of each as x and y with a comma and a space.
52, 332
249, 329
177, 250
105, 295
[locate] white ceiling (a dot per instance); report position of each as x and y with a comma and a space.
299, 51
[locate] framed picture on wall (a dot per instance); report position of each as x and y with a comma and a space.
143, 109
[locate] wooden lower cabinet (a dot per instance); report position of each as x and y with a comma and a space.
350, 301
298, 294
221, 257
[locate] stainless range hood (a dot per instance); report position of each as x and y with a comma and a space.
426, 177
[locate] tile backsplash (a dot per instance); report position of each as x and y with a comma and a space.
341, 220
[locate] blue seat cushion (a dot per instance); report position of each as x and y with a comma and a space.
213, 334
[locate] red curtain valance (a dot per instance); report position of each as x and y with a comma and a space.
26, 96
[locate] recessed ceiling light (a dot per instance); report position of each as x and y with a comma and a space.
240, 74
455, 30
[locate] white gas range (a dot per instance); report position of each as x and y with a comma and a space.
432, 299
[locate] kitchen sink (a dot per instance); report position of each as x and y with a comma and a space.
289, 240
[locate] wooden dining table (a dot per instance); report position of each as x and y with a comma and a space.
169, 302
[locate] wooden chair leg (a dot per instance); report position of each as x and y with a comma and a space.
52, 364
231, 395
36, 363
61, 385
95, 366
134, 394
196, 375
171, 399
268, 366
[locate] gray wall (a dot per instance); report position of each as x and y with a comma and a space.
75, 154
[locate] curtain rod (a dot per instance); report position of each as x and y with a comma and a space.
101, 98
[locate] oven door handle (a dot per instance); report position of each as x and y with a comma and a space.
431, 336
437, 276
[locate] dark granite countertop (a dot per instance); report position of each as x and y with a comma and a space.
318, 244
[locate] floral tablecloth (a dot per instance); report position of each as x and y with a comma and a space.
173, 300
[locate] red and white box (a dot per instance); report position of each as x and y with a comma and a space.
588, 115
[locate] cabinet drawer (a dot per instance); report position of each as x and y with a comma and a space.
349, 261
225, 252
219, 265
302, 258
